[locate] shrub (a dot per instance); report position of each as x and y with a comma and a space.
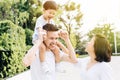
12, 38
29, 34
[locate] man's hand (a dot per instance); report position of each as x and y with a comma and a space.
41, 36
64, 35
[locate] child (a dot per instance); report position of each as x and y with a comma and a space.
49, 10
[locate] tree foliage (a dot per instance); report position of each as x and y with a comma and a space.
70, 19
12, 39
21, 12
105, 29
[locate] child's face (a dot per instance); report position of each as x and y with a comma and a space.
49, 14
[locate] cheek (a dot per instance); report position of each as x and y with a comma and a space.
89, 48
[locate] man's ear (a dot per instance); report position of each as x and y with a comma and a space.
45, 35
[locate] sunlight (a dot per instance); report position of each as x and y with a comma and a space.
98, 11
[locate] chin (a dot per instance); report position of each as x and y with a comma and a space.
52, 48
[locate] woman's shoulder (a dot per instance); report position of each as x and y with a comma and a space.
105, 66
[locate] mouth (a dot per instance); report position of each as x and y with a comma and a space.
52, 45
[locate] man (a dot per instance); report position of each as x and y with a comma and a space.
51, 49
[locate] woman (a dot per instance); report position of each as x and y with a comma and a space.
95, 67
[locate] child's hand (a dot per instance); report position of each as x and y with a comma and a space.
56, 52
42, 34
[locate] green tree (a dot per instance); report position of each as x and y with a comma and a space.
70, 19
105, 29
21, 12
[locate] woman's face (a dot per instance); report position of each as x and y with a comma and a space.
90, 46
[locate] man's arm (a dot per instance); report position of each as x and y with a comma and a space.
61, 46
30, 56
71, 57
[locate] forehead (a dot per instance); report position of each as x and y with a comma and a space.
52, 34
51, 10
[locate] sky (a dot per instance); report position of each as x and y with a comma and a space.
98, 11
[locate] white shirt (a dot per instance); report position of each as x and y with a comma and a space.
36, 71
99, 71
40, 23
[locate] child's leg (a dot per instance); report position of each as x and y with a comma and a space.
42, 50
44, 66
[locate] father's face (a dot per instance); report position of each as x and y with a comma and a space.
52, 37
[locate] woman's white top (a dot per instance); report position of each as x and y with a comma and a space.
99, 71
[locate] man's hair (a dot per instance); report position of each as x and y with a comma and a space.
50, 27
50, 5
102, 48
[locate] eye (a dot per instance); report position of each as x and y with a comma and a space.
56, 38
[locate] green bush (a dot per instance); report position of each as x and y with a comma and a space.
29, 34
12, 38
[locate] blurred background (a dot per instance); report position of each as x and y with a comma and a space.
81, 18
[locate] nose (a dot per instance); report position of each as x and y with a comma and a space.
54, 40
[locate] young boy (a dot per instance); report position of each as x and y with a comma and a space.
49, 10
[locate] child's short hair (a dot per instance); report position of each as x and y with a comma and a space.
50, 5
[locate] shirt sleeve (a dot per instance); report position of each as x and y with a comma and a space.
35, 34
38, 24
